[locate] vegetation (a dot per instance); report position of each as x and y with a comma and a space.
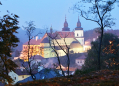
97, 78
98, 12
8, 41
109, 55
30, 50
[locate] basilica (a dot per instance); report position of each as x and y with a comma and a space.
58, 43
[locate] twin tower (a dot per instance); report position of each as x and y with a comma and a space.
78, 32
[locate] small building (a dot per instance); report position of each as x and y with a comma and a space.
19, 74
80, 60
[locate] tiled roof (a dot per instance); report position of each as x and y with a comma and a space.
82, 57
53, 35
66, 34
45, 40
61, 34
43, 74
33, 42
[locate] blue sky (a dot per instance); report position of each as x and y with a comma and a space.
45, 13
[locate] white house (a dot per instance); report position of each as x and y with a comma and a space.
80, 60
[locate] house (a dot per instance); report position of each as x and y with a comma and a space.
19, 74
43, 74
80, 60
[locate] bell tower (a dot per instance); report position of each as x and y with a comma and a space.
65, 28
78, 32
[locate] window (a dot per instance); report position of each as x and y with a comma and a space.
15, 78
77, 34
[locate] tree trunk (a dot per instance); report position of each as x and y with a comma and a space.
99, 52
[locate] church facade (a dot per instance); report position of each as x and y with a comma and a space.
58, 43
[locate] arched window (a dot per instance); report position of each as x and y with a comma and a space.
77, 34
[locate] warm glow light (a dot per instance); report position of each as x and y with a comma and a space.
110, 42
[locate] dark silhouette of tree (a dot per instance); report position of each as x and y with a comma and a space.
17, 53
109, 54
65, 48
8, 41
99, 12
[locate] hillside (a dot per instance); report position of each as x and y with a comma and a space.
90, 34
98, 78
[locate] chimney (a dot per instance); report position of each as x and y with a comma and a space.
36, 38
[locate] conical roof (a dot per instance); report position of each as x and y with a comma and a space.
65, 28
78, 25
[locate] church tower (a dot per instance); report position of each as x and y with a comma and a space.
65, 28
78, 32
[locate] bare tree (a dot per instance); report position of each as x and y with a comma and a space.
65, 48
30, 49
99, 12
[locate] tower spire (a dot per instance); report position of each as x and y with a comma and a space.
78, 18
65, 28
51, 29
78, 23
65, 19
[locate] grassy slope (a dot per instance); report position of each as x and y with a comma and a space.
98, 78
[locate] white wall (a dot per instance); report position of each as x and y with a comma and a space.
78, 33
13, 75
80, 62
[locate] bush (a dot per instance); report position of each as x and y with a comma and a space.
81, 72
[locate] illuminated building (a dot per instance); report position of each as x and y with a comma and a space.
73, 40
